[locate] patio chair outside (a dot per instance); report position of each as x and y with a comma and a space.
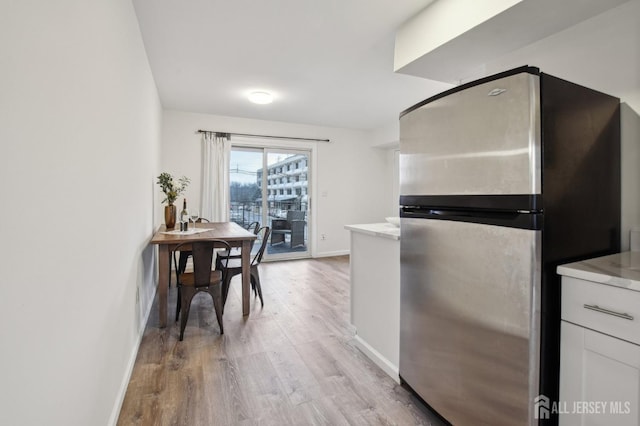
293, 225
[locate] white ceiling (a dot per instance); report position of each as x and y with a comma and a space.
328, 62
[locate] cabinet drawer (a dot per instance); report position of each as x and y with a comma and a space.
611, 310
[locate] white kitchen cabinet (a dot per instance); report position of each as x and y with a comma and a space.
375, 293
599, 379
600, 342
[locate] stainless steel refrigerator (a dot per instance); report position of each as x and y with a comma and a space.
501, 180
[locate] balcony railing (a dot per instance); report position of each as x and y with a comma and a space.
244, 213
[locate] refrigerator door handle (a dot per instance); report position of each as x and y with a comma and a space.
470, 213
513, 219
451, 213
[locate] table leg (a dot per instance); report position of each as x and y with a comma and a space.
164, 269
246, 276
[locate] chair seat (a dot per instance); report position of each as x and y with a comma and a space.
187, 278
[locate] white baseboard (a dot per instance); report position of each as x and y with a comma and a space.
332, 253
378, 359
115, 413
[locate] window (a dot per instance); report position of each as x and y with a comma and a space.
265, 186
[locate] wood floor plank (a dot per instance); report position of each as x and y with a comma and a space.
319, 412
233, 407
291, 362
299, 382
261, 385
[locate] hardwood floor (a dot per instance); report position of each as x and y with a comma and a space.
292, 362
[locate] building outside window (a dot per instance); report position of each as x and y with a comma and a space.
287, 189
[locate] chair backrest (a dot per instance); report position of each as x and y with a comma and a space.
202, 252
295, 215
202, 219
253, 227
265, 231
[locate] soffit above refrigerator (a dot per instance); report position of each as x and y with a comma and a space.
451, 40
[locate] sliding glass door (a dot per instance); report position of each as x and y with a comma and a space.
271, 186
245, 190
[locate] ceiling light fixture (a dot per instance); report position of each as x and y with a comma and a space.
261, 97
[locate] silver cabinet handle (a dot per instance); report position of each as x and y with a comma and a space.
607, 311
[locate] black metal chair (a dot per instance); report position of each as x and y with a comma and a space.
233, 266
235, 252
184, 256
202, 279
253, 227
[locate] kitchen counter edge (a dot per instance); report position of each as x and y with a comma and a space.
618, 270
384, 230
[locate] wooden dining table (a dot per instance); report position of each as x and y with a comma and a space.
168, 239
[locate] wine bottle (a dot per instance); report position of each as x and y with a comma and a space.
184, 216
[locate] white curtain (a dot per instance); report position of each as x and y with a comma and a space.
216, 149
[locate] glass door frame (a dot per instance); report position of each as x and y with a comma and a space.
303, 148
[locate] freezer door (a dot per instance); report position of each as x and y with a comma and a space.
483, 140
470, 311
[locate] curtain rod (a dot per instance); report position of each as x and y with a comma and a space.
228, 135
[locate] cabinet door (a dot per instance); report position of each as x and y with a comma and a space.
599, 379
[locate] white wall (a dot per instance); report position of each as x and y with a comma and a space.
602, 53
80, 134
353, 182
439, 23
387, 139
386, 136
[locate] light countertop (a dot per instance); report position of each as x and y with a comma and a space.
384, 230
619, 270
